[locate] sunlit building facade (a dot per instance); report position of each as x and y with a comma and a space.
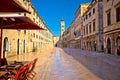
23, 41
72, 37
86, 30
66, 38
111, 15
93, 27
55, 40
97, 29
78, 25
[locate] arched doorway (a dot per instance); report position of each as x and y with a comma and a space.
108, 46
24, 47
90, 46
87, 45
117, 44
33, 45
5, 46
118, 41
18, 46
94, 45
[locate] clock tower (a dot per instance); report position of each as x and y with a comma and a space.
62, 27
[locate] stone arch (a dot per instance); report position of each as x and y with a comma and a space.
24, 46
108, 46
5, 46
90, 45
18, 46
95, 45
118, 41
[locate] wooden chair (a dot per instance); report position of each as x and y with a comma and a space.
20, 74
4, 77
33, 65
31, 73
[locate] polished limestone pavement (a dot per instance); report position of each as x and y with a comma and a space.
72, 64
42, 56
61, 66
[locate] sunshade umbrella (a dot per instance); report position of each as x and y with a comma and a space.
11, 6
16, 22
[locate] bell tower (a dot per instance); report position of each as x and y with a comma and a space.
62, 27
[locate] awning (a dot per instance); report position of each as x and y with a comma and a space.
11, 6
18, 23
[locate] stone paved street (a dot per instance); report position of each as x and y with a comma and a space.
41, 55
63, 67
60, 40
74, 64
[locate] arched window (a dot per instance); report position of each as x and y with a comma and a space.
108, 46
18, 46
5, 46
24, 46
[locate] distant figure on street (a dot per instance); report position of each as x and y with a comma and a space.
118, 51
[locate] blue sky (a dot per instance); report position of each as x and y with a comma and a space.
52, 11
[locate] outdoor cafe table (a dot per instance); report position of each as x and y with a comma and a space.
9, 67
18, 62
13, 65
2, 73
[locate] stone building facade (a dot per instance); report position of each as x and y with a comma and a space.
66, 38
78, 25
73, 35
23, 41
93, 27
111, 11
55, 40
98, 29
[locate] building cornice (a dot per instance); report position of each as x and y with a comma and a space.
111, 31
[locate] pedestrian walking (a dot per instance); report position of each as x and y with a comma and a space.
118, 51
